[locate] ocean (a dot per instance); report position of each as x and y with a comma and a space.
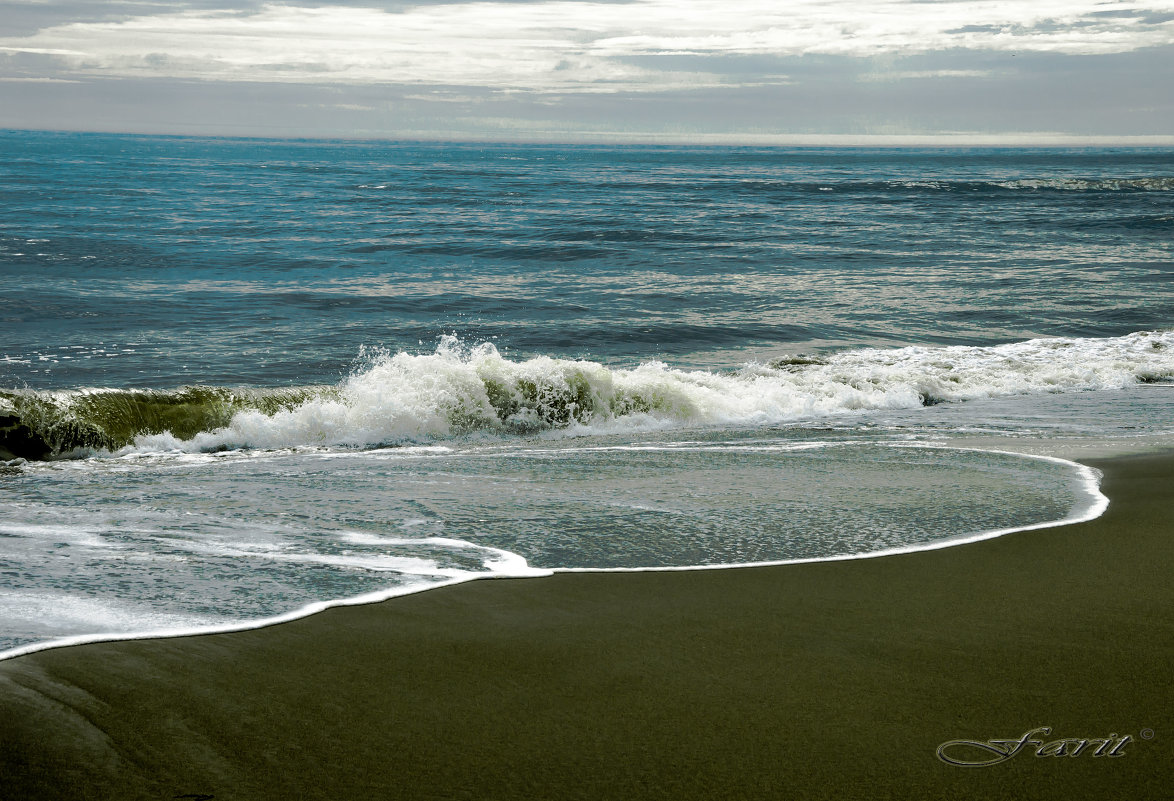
242, 379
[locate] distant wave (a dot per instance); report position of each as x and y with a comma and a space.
1158, 183
1150, 184
464, 388
1154, 184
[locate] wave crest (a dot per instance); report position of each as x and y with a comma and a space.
458, 389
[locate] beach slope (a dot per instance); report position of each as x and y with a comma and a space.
832, 680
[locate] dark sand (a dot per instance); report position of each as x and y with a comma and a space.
834, 680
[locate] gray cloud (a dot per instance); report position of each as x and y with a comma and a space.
539, 69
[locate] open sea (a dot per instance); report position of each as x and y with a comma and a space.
241, 379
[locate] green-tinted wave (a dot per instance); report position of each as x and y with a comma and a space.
39, 425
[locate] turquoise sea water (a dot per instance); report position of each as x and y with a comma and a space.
238, 377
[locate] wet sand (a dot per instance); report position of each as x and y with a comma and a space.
834, 680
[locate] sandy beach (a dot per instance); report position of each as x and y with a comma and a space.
833, 680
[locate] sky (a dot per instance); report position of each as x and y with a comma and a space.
753, 71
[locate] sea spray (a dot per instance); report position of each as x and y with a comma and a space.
461, 388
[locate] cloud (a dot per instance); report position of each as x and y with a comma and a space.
906, 75
43, 51
24, 79
574, 46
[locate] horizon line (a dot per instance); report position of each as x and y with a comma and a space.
949, 139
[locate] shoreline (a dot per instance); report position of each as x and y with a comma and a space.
818, 680
1088, 476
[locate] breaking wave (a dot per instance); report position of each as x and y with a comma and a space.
463, 388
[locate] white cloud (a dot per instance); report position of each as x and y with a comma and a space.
23, 79
906, 75
575, 46
42, 51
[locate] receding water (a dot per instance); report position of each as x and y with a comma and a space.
149, 542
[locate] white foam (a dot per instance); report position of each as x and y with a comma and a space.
405, 398
67, 534
55, 611
276, 552
363, 538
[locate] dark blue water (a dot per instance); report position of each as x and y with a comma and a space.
148, 261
